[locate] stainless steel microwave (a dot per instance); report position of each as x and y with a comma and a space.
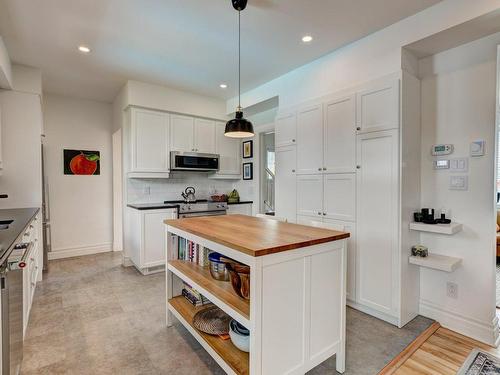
193, 161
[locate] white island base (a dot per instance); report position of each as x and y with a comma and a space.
296, 313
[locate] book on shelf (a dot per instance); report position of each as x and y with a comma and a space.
193, 296
193, 252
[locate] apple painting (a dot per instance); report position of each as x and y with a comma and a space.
81, 162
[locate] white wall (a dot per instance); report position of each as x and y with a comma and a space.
458, 106
172, 100
80, 206
374, 56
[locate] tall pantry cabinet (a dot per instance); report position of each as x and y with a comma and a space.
351, 173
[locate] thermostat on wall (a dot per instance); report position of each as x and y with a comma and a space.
438, 150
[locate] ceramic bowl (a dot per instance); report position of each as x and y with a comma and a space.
240, 336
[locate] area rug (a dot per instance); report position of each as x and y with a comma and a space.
480, 363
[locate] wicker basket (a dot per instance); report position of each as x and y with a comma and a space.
212, 320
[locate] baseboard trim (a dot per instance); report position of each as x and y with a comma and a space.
471, 327
402, 357
79, 251
377, 314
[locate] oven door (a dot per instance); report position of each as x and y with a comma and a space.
204, 213
193, 161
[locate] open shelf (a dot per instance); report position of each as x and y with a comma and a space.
237, 360
437, 262
220, 293
451, 228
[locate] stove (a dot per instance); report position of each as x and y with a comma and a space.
199, 208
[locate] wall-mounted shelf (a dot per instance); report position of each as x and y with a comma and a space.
437, 262
451, 228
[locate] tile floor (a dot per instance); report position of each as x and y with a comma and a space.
93, 316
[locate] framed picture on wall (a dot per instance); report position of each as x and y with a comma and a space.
81, 162
247, 149
248, 171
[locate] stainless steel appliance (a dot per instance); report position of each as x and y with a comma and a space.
11, 285
199, 208
193, 161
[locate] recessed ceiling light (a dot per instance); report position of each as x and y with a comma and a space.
84, 49
307, 38
223, 86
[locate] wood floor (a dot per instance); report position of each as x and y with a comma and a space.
441, 352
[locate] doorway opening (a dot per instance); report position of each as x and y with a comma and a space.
268, 173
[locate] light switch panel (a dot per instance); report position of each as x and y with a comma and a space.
459, 165
477, 148
459, 183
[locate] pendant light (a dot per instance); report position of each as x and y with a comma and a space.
239, 127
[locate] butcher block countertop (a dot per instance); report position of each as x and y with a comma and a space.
255, 236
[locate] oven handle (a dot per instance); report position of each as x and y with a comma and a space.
200, 214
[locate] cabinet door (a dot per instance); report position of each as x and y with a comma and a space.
154, 237
310, 140
181, 133
204, 136
149, 138
378, 106
310, 195
228, 150
286, 129
340, 135
377, 220
339, 196
346, 226
286, 183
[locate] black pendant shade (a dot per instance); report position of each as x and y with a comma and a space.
239, 127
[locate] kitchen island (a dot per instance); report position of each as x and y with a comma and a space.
296, 310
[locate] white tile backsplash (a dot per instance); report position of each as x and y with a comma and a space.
171, 188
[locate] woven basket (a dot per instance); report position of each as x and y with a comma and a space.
212, 320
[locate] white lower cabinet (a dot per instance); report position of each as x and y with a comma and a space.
377, 221
286, 183
145, 238
352, 258
240, 209
32, 273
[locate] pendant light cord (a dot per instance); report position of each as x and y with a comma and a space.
239, 60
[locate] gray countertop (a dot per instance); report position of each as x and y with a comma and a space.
22, 217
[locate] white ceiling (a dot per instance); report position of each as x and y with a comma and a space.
186, 44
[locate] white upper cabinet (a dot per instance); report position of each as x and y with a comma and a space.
377, 220
378, 106
310, 140
340, 135
204, 136
339, 196
286, 129
310, 195
228, 150
286, 184
149, 141
181, 133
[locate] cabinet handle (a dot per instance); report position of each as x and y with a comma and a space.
324, 169
358, 166
319, 169
324, 213
293, 170
319, 213
358, 128
293, 140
